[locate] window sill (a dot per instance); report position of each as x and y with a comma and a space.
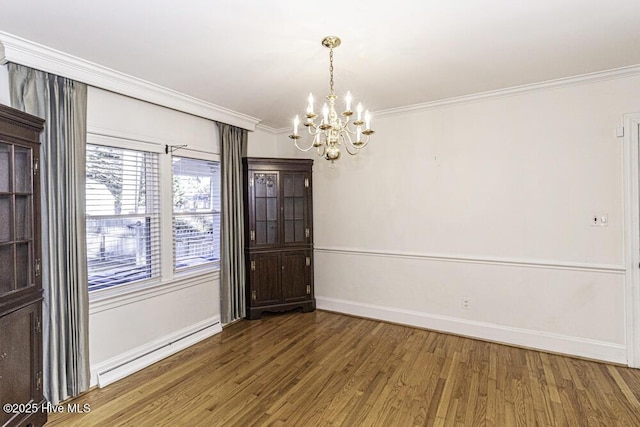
107, 299
197, 270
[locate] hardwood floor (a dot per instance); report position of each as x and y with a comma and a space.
322, 368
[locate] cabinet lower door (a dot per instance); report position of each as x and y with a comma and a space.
296, 276
265, 279
20, 365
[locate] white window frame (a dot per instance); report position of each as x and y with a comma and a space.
209, 267
168, 280
153, 213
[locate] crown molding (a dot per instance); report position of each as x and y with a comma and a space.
284, 130
34, 55
594, 77
266, 128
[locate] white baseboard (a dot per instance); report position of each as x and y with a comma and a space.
591, 349
116, 368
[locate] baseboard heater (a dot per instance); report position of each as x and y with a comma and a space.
144, 356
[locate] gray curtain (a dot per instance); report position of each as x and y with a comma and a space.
233, 142
62, 103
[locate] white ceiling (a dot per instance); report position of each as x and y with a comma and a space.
262, 58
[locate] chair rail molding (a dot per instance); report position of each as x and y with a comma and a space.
462, 258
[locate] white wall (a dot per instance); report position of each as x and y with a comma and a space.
116, 115
262, 143
125, 329
489, 201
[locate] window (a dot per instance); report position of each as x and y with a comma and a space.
122, 203
149, 216
196, 212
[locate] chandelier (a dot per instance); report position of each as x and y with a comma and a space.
332, 131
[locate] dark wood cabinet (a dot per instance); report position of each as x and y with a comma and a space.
20, 280
265, 279
279, 235
296, 270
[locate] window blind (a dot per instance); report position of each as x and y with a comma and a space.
123, 207
196, 212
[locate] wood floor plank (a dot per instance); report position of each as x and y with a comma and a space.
326, 369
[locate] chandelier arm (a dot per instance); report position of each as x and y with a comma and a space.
364, 143
324, 150
302, 149
315, 130
353, 153
351, 149
339, 126
343, 124
348, 144
350, 131
345, 139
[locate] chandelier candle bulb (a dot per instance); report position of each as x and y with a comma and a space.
334, 132
310, 106
296, 121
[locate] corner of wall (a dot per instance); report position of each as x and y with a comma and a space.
262, 143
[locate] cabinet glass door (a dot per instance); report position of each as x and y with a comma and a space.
267, 228
294, 195
16, 217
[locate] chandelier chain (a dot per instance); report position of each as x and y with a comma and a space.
331, 70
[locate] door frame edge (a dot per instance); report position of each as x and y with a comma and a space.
631, 236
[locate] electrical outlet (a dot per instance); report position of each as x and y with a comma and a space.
600, 220
466, 303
